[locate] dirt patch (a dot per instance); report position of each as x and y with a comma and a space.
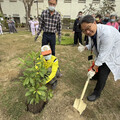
60, 107
73, 67
36, 108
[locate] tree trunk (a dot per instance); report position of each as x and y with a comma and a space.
1, 11
27, 5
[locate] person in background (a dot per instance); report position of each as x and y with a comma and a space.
51, 64
119, 24
94, 15
32, 26
98, 19
113, 22
10, 25
104, 41
1, 32
50, 23
106, 19
77, 30
13, 25
36, 22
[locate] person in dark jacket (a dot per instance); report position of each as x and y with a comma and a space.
77, 30
106, 19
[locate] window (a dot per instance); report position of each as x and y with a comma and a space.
15, 15
112, 0
13, 0
96, 1
1, 0
67, 1
40, 1
81, 1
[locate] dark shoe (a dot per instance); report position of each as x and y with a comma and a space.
93, 79
93, 97
54, 85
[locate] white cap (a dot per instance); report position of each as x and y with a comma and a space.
46, 50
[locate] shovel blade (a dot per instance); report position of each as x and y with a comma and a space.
79, 105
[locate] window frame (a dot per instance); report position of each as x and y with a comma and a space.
81, 1
12, 0
67, 1
40, 1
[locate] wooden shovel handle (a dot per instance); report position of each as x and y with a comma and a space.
84, 89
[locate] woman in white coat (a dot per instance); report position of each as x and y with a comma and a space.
32, 26
104, 41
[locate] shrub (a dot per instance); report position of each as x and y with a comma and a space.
67, 34
34, 79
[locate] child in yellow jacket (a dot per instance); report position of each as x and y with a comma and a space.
50, 63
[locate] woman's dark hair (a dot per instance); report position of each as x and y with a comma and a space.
98, 16
87, 19
113, 16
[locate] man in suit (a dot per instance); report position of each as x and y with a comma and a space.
104, 41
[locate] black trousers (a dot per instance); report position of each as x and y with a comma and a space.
77, 35
49, 38
101, 76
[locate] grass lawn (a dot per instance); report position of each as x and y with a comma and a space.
73, 66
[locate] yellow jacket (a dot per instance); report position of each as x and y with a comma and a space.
53, 63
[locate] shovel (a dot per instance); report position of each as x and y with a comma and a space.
79, 103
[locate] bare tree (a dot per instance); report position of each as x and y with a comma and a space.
1, 11
91, 9
27, 5
105, 7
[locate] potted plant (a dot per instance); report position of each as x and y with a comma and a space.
34, 80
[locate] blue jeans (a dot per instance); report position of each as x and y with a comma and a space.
51, 39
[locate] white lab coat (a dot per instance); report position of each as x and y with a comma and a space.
108, 48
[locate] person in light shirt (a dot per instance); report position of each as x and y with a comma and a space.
104, 42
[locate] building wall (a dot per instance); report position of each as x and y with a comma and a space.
10, 8
66, 9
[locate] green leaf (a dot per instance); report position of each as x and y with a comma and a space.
41, 74
39, 92
32, 89
34, 92
42, 93
51, 95
21, 60
42, 88
27, 80
29, 69
24, 83
43, 98
30, 55
21, 78
31, 81
28, 93
37, 98
32, 100
25, 74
